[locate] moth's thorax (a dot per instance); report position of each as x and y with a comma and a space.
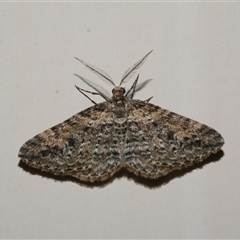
119, 104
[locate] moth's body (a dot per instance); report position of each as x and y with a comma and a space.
121, 133
139, 136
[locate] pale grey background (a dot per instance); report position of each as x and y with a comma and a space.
196, 70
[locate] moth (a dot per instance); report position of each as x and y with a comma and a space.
120, 132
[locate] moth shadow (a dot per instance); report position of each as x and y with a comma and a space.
149, 183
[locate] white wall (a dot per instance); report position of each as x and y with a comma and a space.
195, 67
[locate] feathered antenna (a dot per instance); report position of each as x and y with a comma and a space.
131, 71
100, 73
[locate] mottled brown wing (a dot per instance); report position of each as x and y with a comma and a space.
78, 147
160, 141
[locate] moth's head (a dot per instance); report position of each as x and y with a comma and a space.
118, 93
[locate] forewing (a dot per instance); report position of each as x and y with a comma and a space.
78, 147
160, 141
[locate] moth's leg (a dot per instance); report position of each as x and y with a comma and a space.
147, 100
133, 87
82, 92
